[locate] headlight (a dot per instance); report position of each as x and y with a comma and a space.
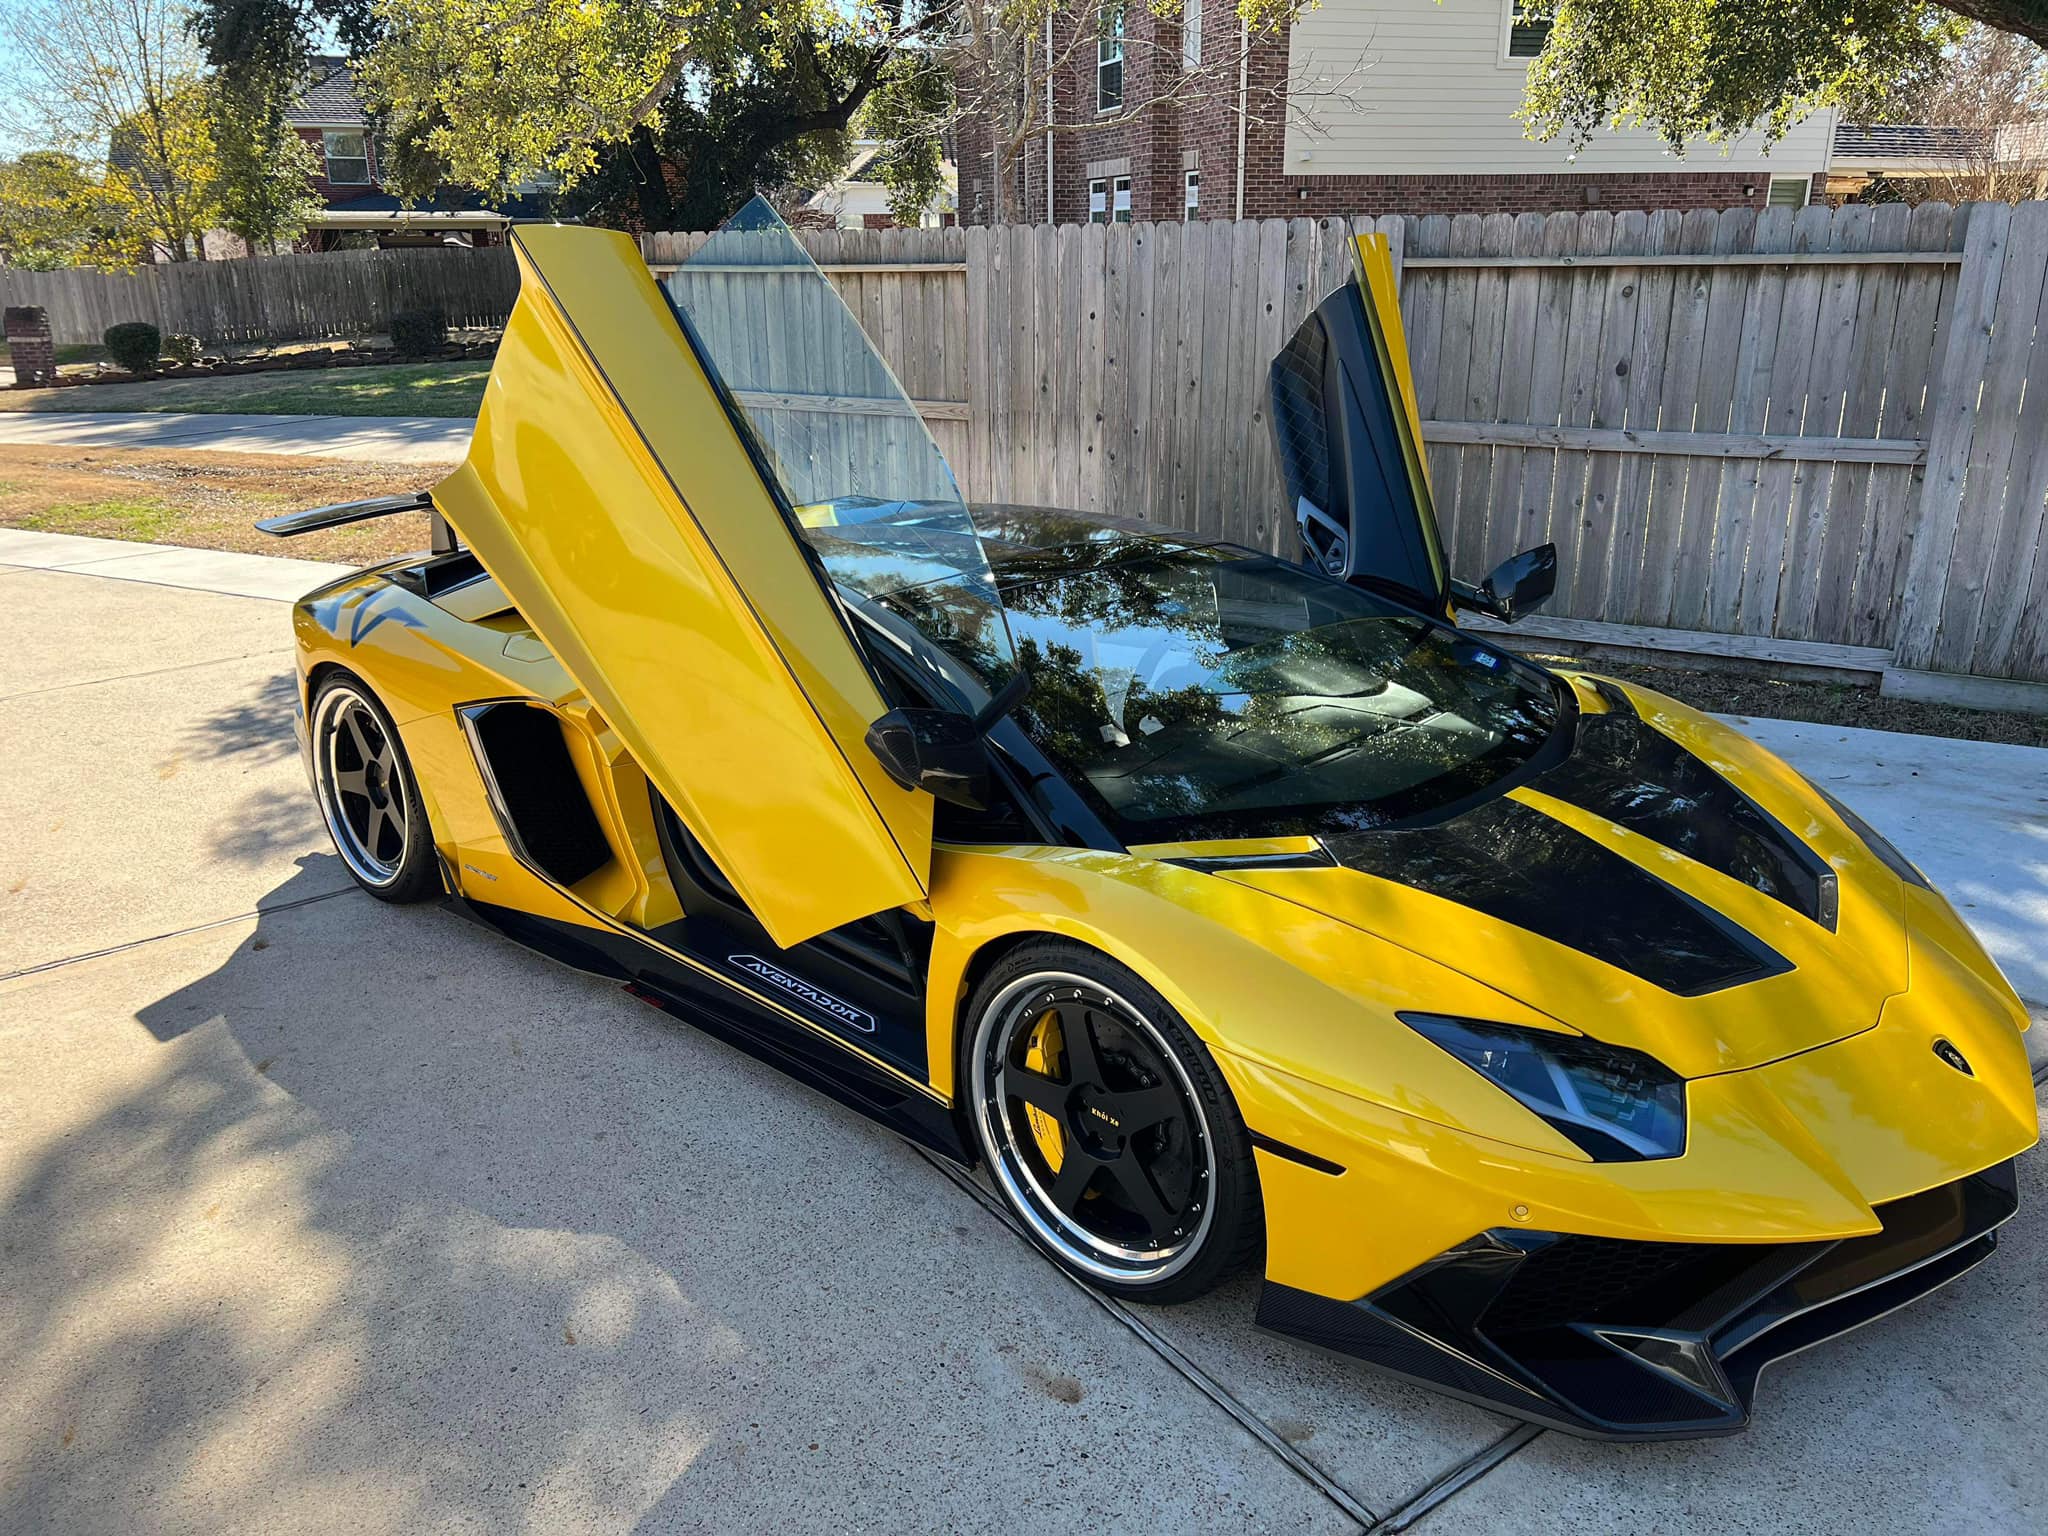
1875, 841
1617, 1105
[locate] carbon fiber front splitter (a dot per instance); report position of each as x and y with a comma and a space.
1637, 1341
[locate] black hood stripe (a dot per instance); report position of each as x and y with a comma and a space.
1512, 862
1622, 769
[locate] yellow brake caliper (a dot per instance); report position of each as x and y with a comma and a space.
1046, 1046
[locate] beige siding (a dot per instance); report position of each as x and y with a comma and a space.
1434, 93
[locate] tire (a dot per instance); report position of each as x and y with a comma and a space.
1106, 1127
367, 793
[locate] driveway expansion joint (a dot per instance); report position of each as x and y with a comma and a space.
1352, 1507
176, 933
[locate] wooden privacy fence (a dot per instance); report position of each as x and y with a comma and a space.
1814, 435
1801, 434
273, 298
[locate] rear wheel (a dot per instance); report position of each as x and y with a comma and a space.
367, 793
1106, 1126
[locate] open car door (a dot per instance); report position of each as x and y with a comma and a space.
1349, 440
642, 483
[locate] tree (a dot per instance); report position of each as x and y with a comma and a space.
1988, 104
775, 119
54, 213
1710, 69
502, 91
265, 170
119, 81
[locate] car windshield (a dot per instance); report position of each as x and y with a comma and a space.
1196, 693
1187, 691
833, 432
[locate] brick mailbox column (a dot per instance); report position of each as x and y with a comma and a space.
28, 341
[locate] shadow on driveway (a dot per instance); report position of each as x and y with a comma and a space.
386, 1222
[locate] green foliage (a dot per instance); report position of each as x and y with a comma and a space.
181, 348
417, 332
54, 213
906, 112
133, 345
1710, 69
506, 90
119, 79
671, 111
263, 183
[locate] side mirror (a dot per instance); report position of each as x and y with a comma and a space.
934, 750
1517, 586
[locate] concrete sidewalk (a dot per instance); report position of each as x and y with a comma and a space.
319, 1213
390, 439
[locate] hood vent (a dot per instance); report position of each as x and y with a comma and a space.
1637, 777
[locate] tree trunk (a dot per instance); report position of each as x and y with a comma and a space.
2023, 18
650, 181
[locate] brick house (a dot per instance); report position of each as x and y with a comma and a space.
332, 120
1410, 109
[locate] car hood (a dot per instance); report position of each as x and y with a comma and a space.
1668, 885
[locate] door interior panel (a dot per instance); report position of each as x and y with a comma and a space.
862, 981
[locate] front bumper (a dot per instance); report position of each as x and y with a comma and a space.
1636, 1340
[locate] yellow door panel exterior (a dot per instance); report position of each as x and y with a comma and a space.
609, 495
1380, 289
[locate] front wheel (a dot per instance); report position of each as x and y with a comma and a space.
1106, 1126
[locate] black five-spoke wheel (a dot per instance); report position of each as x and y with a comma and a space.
366, 792
1105, 1126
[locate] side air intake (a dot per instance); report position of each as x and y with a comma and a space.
533, 783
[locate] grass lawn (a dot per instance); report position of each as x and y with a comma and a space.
206, 500
403, 389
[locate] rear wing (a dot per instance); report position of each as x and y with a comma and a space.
288, 525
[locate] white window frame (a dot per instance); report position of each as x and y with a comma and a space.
1109, 50
1098, 200
1119, 199
1191, 194
328, 156
1191, 36
1804, 183
1508, 60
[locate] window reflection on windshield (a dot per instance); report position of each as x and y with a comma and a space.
1209, 693
833, 430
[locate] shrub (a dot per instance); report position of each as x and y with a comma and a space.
180, 348
416, 332
133, 345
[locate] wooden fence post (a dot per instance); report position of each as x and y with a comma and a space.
1952, 419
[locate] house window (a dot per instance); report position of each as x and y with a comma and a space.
1790, 191
1193, 196
1526, 33
1109, 59
1120, 200
1191, 35
348, 157
1098, 201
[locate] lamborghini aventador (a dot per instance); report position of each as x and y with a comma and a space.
1542, 1039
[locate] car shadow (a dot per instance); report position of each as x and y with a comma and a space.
389, 1214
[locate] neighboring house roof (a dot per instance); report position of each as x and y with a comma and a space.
1883, 144
839, 194
331, 100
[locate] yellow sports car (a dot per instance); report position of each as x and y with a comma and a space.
1541, 1038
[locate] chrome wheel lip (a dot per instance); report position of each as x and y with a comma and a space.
329, 718
1089, 1252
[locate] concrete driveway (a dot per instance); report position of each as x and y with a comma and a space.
320, 1215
